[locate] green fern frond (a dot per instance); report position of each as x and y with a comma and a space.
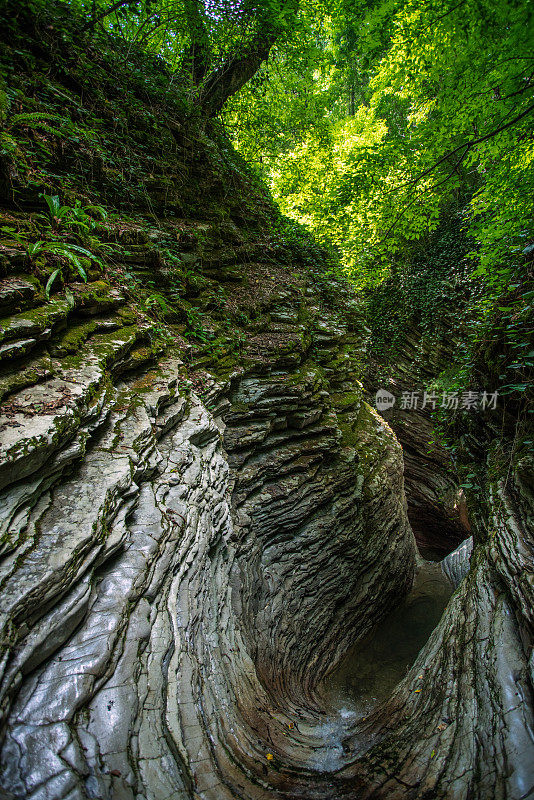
31, 119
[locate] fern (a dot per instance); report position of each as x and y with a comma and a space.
32, 119
37, 120
50, 281
73, 216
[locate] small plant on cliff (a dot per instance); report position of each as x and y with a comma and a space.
66, 254
41, 121
61, 219
195, 327
76, 216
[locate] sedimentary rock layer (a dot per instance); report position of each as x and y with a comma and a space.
199, 512
436, 504
175, 581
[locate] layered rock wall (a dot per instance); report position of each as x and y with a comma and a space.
200, 513
176, 582
436, 503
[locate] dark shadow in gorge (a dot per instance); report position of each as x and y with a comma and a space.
374, 666
436, 505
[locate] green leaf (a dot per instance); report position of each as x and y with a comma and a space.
35, 248
53, 203
50, 281
100, 211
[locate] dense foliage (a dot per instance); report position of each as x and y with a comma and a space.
392, 111
370, 119
213, 47
389, 122
398, 132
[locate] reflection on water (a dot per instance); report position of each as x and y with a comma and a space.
375, 665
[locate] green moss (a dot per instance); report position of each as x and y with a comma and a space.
72, 340
225, 367
127, 315
73, 361
344, 400
96, 290
349, 437
108, 344
22, 378
304, 314
140, 356
309, 375
357, 432
239, 408
33, 321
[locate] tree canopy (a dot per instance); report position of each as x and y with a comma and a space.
392, 113
375, 123
215, 46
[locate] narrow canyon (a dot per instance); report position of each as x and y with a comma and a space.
223, 573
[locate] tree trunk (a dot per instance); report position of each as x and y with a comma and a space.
239, 67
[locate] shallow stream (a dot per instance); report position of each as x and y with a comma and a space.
375, 665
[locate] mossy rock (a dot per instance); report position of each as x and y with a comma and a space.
73, 339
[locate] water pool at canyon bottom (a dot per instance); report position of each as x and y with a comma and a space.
375, 665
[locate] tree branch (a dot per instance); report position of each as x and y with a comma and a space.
197, 59
106, 13
232, 75
468, 146
239, 67
526, 88
403, 210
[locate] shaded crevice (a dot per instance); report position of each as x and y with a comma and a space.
193, 670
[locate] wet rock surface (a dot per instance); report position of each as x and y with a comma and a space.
436, 504
201, 517
374, 666
181, 576
456, 565
175, 581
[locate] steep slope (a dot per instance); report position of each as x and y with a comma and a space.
201, 513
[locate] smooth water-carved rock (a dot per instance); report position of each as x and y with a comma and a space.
171, 594
177, 582
436, 504
195, 532
456, 564
438, 734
